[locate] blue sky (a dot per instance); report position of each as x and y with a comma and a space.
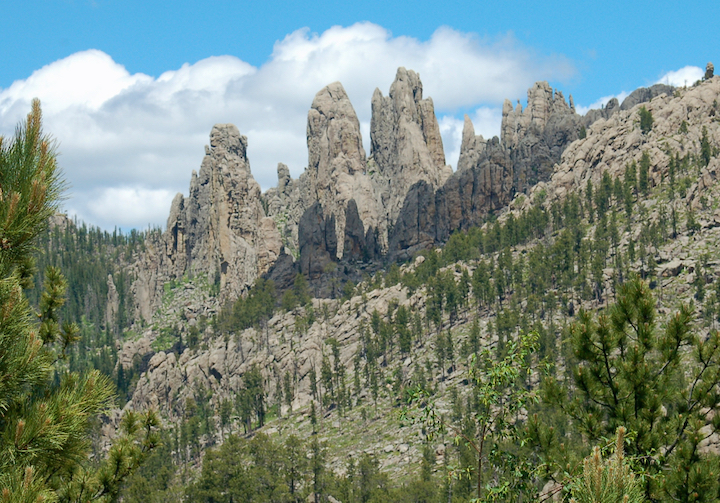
131, 88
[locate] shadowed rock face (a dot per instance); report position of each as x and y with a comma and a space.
429, 217
318, 241
354, 242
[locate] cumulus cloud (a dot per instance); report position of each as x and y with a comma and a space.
685, 76
128, 142
136, 203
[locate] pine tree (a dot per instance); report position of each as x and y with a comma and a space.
659, 385
646, 119
45, 422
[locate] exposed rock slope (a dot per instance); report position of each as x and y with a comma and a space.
401, 199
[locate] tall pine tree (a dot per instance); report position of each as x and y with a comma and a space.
44, 424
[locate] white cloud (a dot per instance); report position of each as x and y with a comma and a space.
137, 204
131, 140
685, 76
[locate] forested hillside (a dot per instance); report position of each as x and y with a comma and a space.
488, 365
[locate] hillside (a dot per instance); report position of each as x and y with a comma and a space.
331, 297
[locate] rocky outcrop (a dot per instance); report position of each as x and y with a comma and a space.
403, 197
490, 173
428, 217
336, 161
220, 229
535, 138
471, 147
611, 144
285, 205
605, 112
645, 94
113, 303
406, 146
170, 379
222, 225
364, 197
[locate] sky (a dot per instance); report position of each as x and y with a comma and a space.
131, 88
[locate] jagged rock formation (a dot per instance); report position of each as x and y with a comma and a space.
609, 146
363, 197
220, 229
471, 147
228, 230
406, 146
336, 161
285, 345
285, 204
536, 137
490, 173
222, 225
428, 216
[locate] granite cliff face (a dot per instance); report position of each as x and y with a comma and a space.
349, 207
337, 163
492, 172
220, 229
405, 143
362, 197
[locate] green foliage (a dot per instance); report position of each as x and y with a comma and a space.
250, 471
251, 401
657, 384
706, 150
298, 295
607, 481
498, 395
646, 119
251, 310
45, 422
